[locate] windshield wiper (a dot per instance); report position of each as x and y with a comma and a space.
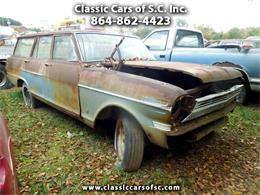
116, 48
110, 61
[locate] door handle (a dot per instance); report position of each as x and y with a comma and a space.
47, 65
162, 56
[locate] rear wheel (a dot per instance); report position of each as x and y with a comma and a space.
29, 100
129, 143
4, 82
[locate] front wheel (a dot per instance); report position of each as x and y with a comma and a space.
28, 98
129, 143
242, 96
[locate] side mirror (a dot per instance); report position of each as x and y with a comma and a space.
148, 47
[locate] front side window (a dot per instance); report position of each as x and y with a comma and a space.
185, 38
157, 41
24, 47
64, 49
43, 48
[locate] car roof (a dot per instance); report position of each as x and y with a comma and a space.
73, 32
178, 28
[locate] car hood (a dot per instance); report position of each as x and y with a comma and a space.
205, 73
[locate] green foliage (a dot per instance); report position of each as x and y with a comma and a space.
234, 33
143, 31
206, 30
9, 21
34, 29
181, 23
252, 31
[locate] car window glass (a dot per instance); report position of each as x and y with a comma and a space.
90, 43
24, 47
257, 44
64, 49
186, 38
43, 48
131, 47
157, 41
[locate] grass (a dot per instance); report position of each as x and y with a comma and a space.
51, 161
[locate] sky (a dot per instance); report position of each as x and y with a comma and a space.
222, 15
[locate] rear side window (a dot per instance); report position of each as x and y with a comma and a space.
43, 48
24, 47
185, 38
64, 49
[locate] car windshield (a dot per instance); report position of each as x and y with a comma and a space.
97, 47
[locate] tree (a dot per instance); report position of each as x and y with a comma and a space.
181, 23
234, 33
143, 31
9, 21
207, 31
252, 31
34, 29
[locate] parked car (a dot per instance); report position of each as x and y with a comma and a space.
8, 183
235, 43
187, 45
6, 50
95, 76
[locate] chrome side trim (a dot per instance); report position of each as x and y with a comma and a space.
155, 105
210, 103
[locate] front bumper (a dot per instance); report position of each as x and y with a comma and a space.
200, 122
255, 84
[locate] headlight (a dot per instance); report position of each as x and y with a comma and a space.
182, 108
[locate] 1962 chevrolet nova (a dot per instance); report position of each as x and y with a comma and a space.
96, 77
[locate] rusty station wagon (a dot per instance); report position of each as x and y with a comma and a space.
97, 77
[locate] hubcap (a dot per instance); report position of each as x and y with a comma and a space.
120, 140
3, 78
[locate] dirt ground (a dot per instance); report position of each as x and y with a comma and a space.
49, 161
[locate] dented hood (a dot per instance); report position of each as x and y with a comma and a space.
205, 73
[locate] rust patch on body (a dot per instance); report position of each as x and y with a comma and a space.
132, 86
205, 73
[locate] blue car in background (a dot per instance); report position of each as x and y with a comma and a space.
187, 45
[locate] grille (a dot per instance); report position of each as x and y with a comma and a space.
213, 102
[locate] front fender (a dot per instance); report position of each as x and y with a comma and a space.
93, 102
145, 99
